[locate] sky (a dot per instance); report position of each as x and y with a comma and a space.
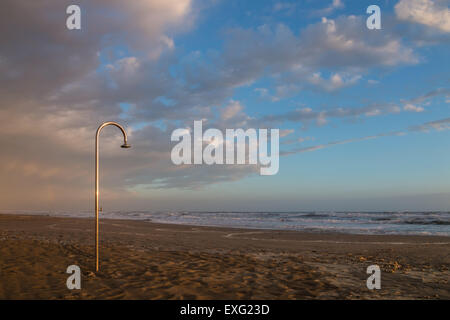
363, 114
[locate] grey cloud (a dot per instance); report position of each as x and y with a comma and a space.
207, 79
306, 115
442, 124
333, 6
439, 125
431, 13
334, 143
431, 94
39, 54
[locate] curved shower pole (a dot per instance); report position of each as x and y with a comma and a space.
125, 145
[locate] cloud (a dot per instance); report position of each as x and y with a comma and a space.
335, 82
306, 115
53, 97
335, 5
286, 132
287, 7
52, 56
333, 52
344, 43
429, 95
328, 56
435, 14
413, 108
339, 142
439, 125
338, 43
231, 110
264, 93
342, 49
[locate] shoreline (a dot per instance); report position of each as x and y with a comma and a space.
312, 230
147, 260
444, 238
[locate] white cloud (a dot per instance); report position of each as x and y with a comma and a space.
439, 125
343, 42
286, 132
284, 6
335, 4
412, 108
307, 115
435, 14
321, 119
340, 142
264, 93
373, 113
303, 139
335, 82
231, 110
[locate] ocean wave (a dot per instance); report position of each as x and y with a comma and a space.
427, 222
395, 222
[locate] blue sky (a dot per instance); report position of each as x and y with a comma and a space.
363, 173
364, 114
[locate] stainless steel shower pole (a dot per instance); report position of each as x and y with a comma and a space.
125, 145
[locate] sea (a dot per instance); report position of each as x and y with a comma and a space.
383, 222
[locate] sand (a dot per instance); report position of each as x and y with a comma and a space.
143, 260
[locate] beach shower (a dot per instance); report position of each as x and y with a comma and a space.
124, 145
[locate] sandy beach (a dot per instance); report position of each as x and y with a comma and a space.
143, 260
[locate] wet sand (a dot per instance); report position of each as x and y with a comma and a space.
143, 260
